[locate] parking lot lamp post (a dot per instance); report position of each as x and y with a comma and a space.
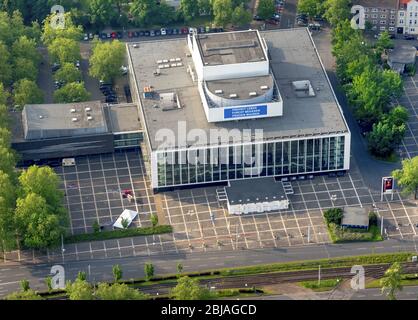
319, 274
62, 247
381, 226
309, 234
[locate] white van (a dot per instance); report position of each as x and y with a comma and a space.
68, 162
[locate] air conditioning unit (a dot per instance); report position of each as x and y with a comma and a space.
73, 110
89, 118
233, 95
74, 119
253, 94
88, 109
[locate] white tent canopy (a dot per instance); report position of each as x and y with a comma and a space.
128, 215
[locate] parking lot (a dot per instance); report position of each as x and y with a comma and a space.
94, 190
409, 100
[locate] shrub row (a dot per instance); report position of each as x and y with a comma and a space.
115, 234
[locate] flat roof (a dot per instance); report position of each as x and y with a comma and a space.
41, 121
241, 87
123, 118
230, 47
392, 4
255, 191
355, 216
403, 54
293, 58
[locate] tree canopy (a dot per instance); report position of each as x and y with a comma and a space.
106, 60
407, 176
189, 289
71, 92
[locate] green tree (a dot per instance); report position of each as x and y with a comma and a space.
241, 16
37, 227
71, 92
266, 9
407, 176
179, 268
189, 9
24, 295
79, 290
5, 66
189, 289
154, 220
384, 137
44, 182
125, 223
334, 215
391, 282
222, 12
106, 60
81, 275
312, 8
27, 92
63, 50
144, 11
384, 42
24, 69
118, 291
337, 10
68, 73
149, 271
117, 272
70, 31
24, 285
4, 95
7, 160
25, 47
101, 12
7, 205
48, 282
96, 227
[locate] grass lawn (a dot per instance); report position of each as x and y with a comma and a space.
339, 235
324, 285
407, 280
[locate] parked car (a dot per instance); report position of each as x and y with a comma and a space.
109, 35
130, 34
119, 35
157, 33
169, 32
152, 33
124, 70
77, 64
114, 35
409, 37
136, 34
86, 37
184, 30
55, 67
147, 33
91, 36
103, 35
176, 31
163, 31
257, 18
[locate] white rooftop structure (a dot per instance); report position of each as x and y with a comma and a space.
127, 215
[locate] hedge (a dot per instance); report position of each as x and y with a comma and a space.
116, 234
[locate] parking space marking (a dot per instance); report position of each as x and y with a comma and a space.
82, 206
355, 190
94, 196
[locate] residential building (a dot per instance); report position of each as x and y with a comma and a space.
380, 15
408, 17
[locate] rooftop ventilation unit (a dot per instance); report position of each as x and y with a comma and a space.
219, 91
159, 61
233, 95
178, 59
73, 110
179, 64
264, 87
253, 94
41, 117
166, 66
173, 65
161, 66
173, 60
88, 109
74, 119
165, 61
89, 118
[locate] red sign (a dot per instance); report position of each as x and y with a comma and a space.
387, 184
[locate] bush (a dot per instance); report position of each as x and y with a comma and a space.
372, 219
333, 215
116, 234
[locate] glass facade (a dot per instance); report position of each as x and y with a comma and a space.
128, 140
252, 160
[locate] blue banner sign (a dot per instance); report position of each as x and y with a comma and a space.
245, 112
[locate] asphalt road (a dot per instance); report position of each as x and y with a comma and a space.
101, 270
